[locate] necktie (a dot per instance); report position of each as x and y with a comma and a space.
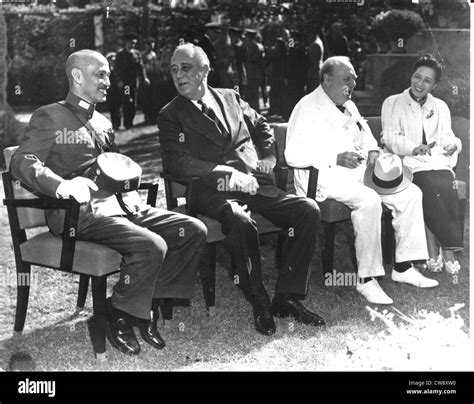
211, 114
342, 108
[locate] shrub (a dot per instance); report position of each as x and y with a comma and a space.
395, 24
454, 89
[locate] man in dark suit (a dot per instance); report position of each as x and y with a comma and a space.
129, 69
214, 134
160, 249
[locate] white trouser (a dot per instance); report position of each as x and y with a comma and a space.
408, 224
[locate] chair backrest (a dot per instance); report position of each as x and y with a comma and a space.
461, 130
279, 130
27, 217
375, 125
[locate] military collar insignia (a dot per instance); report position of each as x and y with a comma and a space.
81, 104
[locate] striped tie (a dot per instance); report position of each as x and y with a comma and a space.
206, 110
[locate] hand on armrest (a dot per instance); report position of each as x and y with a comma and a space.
79, 188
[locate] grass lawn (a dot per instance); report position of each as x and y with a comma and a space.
418, 332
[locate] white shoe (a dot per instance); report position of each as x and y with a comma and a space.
413, 277
373, 292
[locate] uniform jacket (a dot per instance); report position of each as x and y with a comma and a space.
58, 146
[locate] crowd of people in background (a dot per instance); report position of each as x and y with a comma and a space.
272, 78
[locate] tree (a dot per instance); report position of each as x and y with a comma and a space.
9, 126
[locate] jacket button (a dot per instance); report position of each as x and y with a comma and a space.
242, 148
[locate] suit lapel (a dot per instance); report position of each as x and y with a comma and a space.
230, 111
201, 123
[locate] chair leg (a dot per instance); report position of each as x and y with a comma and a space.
462, 215
22, 295
98, 323
82, 293
328, 249
209, 278
388, 240
279, 250
204, 275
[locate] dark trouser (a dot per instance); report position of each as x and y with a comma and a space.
115, 114
278, 96
129, 105
149, 100
297, 215
441, 206
252, 94
160, 255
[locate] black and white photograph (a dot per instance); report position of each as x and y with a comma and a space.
236, 186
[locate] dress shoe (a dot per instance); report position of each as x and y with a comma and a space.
262, 318
149, 331
413, 277
120, 332
290, 306
373, 292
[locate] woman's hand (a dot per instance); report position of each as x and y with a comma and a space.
449, 149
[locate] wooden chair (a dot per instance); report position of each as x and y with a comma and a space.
188, 189
88, 260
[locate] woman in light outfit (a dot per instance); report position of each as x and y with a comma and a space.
417, 127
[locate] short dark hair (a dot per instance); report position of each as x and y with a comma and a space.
431, 62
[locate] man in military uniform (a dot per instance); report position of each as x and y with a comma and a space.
160, 249
255, 66
129, 69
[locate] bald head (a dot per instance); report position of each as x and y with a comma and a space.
81, 60
88, 75
331, 64
338, 78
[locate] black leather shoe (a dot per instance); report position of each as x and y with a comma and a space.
290, 306
120, 332
262, 318
149, 331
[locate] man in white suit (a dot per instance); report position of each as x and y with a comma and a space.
327, 131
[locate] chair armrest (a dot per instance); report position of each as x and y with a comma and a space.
312, 181
71, 218
152, 195
192, 192
180, 180
281, 176
42, 202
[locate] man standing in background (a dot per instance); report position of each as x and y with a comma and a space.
129, 69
